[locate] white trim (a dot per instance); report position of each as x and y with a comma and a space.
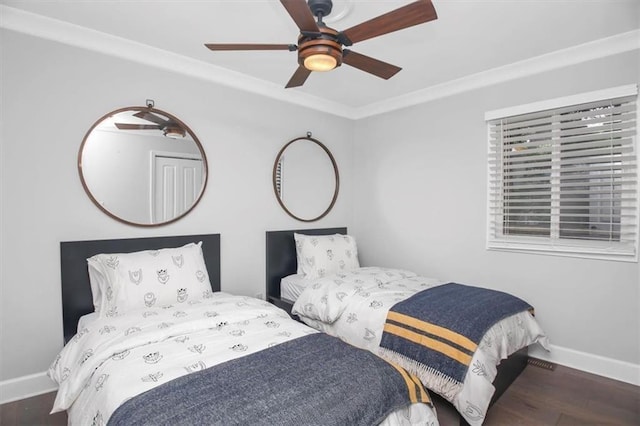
602, 366
26, 387
574, 55
75, 35
552, 250
85, 38
581, 98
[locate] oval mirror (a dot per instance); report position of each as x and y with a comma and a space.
305, 179
142, 166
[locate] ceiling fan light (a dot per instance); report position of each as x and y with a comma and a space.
173, 132
320, 62
319, 54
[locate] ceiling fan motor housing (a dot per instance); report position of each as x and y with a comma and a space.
326, 44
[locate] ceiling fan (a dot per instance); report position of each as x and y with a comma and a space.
169, 128
320, 48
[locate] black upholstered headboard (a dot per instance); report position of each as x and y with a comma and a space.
76, 290
281, 255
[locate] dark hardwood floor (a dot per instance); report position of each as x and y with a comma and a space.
539, 397
31, 412
562, 397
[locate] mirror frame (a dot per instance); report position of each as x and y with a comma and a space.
335, 171
205, 164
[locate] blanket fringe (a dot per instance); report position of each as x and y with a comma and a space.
434, 380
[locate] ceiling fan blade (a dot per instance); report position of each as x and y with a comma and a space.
242, 46
415, 13
367, 64
299, 77
301, 15
128, 126
146, 115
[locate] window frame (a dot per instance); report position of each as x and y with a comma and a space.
554, 244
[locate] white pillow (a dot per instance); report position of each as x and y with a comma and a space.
130, 281
86, 320
320, 255
292, 286
98, 282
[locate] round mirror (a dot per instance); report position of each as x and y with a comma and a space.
142, 166
305, 179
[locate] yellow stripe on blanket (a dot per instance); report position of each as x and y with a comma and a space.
436, 330
436, 345
417, 392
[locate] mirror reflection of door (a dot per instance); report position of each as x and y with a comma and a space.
175, 186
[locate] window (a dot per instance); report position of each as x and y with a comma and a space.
563, 176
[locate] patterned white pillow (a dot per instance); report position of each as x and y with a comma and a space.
130, 281
98, 283
320, 255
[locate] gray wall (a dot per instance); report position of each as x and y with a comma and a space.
420, 202
412, 190
51, 95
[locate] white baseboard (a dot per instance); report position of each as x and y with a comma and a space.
39, 383
596, 364
25, 387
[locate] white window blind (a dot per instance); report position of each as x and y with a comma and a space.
565, 180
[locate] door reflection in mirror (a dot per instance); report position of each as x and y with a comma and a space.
176, 185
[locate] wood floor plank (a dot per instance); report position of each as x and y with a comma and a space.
520, 409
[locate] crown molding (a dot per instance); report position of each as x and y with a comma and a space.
78, 36
574, 55
75, 35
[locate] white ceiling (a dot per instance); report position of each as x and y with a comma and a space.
469, 37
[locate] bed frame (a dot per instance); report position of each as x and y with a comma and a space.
76, 290
281, 261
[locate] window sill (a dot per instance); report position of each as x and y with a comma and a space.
575, 252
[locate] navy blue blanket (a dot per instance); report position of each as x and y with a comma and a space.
313, 380
436, 331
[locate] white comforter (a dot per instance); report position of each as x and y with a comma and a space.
353, 306
114, 359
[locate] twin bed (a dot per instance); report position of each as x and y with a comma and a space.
315, 275
151, 339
